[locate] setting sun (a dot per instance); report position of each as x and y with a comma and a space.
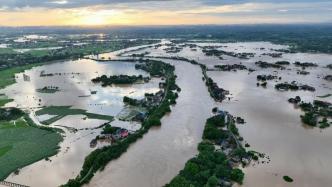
93, 20
92, 17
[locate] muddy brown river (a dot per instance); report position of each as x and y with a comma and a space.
273, 126
163, 151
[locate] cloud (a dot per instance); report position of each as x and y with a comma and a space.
60, 2
14, 4
161, 12
18, 4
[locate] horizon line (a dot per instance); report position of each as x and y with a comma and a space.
170, 25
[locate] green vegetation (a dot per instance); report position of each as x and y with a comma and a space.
313, 112
98, 159
263, 64
18, 62
22, 144
4, 100
7, 76
232, 67
21, 141
130, 101
9, 59
62, 111
211, 167
305, 64
300, 38
108, 129
282, 63
217, 93
287, 179
7, 51
119, 79
212, 51
4, 150
155, 68
293, 87
7, 114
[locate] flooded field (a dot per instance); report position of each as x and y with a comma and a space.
273, 125
73, 78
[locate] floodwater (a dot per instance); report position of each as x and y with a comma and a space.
162, 152
273, 125
35, 49
74, 81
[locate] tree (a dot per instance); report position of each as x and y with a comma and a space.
222, 171
237, 175
205, 146
212, 181
179, 181
191, 169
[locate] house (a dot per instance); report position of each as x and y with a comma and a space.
124, 133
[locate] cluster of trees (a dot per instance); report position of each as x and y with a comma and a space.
211, 131
118, 79
210, 167
305, 64
219, 94
293, 86
130, 101
264, 64
155, 68
329, 66
284, 62
211, 51
313, 112
232, 67
108, 129
8, 114
155, 114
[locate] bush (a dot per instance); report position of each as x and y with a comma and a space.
287, 179
237, 175
213, 181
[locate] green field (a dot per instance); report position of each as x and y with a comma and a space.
21, 145
62, 111
4, 101
38, 53
7, 51
7, 76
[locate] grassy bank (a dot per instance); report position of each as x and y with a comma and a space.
22, 144
4, 100
7, 76
60, 112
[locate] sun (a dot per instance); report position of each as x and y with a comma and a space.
93, 20
93, 17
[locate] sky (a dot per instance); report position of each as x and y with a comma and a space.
162, 12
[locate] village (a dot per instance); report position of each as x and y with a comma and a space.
110, 134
